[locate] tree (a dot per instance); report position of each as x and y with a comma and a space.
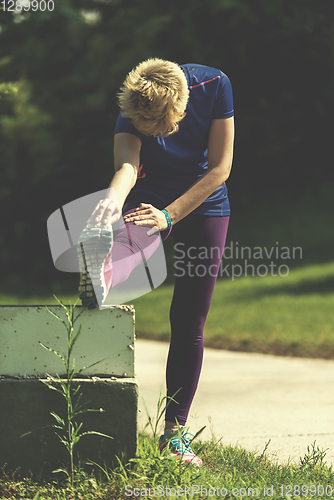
66, 65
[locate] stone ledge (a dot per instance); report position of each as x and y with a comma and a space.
26, 405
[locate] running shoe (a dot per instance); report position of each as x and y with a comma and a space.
180, 446
96, 242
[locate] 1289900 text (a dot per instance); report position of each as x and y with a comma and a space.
21, 5
312, 490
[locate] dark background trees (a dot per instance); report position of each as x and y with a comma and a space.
59, 75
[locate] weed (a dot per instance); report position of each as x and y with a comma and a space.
68, 430
313, 458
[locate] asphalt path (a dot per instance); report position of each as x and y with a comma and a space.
248, 399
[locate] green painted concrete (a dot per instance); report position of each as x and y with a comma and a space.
106, 335
26, 405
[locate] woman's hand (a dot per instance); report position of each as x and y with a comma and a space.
148, 215
106, 211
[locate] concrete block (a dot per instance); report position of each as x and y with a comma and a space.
106, 335
26, 402
26, 405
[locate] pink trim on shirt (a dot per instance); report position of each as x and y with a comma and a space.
203, 83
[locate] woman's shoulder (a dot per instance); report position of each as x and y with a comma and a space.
199, 75
210, 92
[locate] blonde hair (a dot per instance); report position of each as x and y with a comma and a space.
154, 97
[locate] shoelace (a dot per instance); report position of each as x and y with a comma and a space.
182, 445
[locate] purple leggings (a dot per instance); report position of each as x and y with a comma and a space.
198, 245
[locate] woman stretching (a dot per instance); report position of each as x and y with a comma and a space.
173, 150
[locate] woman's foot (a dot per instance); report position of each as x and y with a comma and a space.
179, 445
95, 246
86, 291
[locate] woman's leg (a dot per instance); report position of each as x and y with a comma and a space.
131, 246
199, 245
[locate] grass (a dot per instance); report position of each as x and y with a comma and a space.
227, 472
236, 473
292, 315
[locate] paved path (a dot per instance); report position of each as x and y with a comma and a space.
248, 399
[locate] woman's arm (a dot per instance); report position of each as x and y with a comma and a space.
220, 154
126, 160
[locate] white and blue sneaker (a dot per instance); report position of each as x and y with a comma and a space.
96, 243
179, 445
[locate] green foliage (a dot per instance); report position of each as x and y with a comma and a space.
151, 466
224, 467
162, 405
314, 458
67, 65
7, 89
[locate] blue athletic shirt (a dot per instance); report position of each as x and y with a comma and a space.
170, 165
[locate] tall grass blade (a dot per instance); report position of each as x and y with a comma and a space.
52, 350
90, 366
